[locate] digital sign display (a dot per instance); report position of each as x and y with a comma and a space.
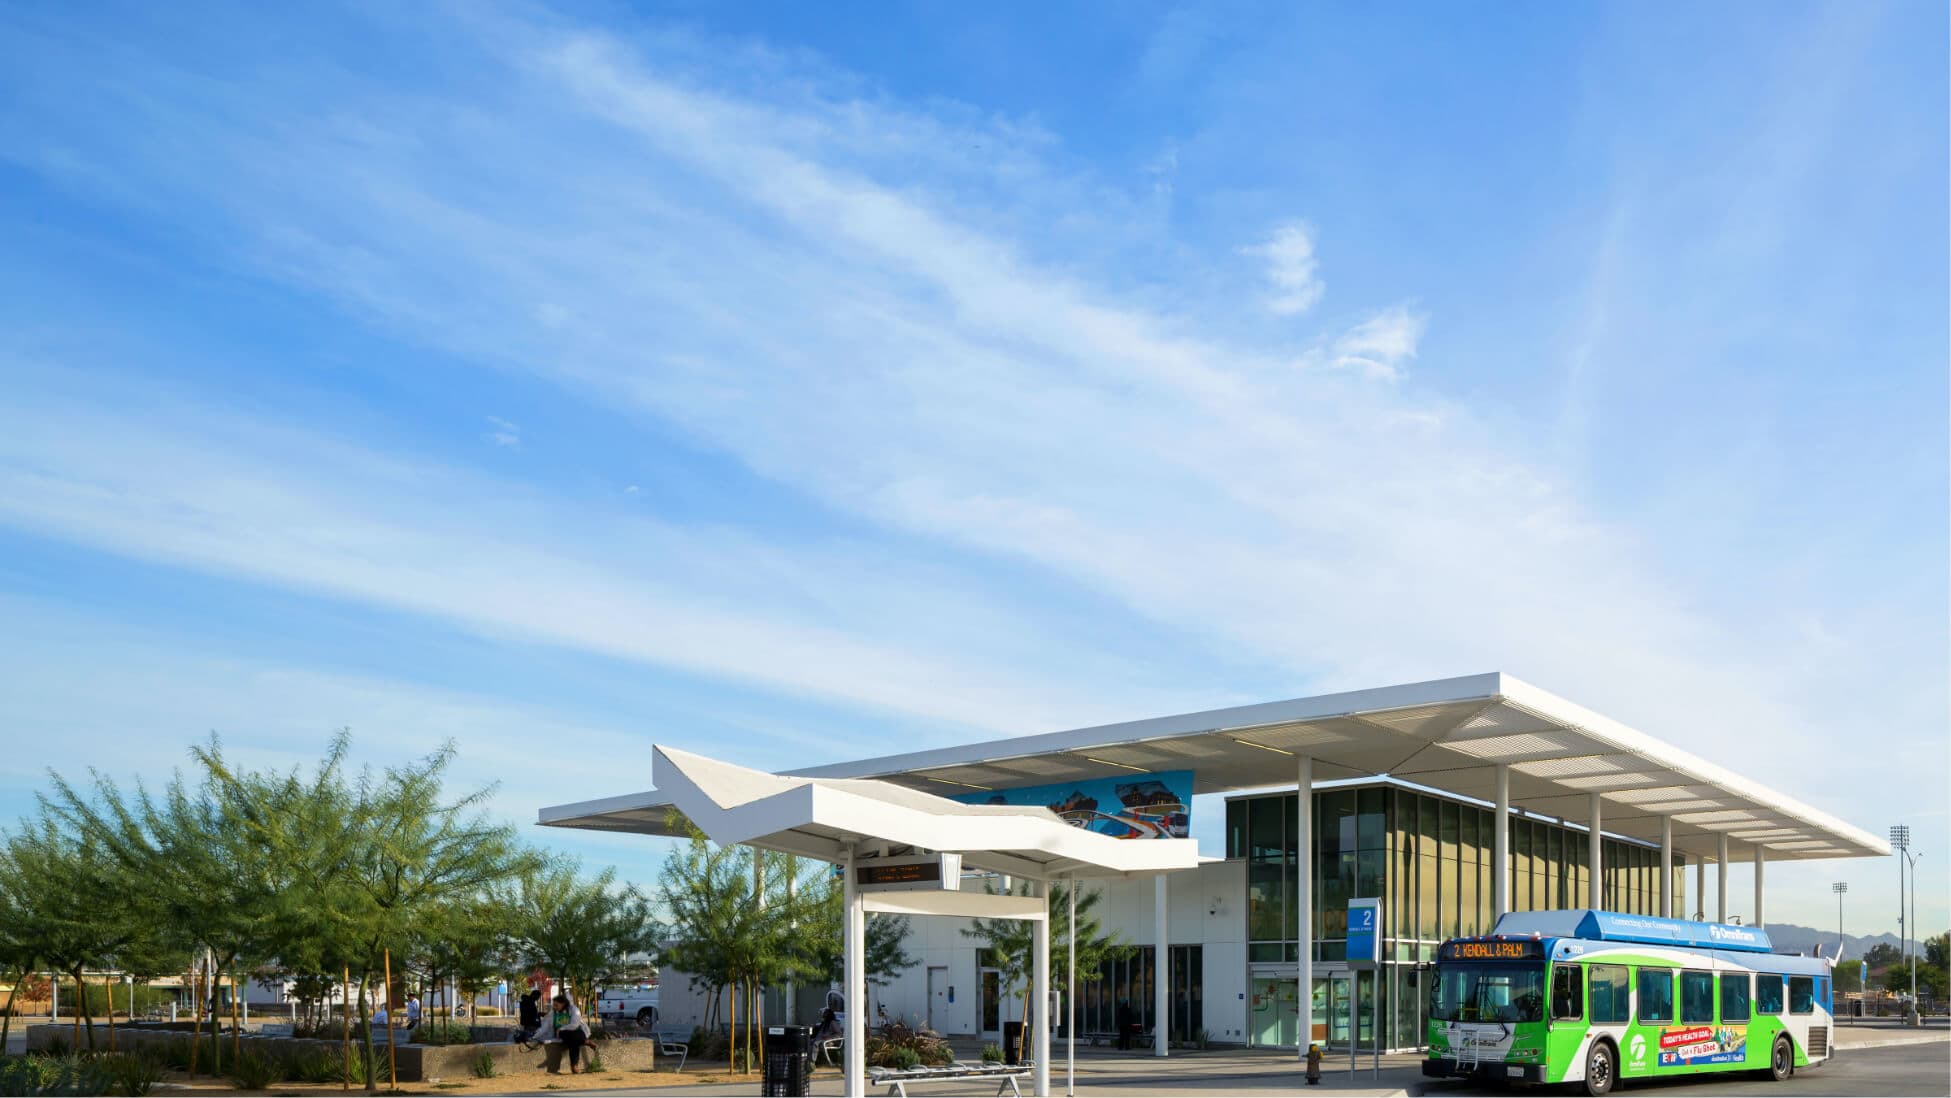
909, 873
900, 873
1492, 951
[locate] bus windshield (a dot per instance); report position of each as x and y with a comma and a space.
1488, 993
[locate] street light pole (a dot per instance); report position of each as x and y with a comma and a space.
1900, 839
1839, 888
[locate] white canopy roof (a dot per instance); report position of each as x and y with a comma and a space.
1449, 735
822, 817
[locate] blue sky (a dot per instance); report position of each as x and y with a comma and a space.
794, 384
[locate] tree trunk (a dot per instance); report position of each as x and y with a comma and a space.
82, 1011
7, 1020
216, 1024
236, 1026
196, 1018
365, 1030
108, 989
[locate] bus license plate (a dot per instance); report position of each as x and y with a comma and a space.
1514, 1071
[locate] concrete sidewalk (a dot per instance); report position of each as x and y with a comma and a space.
1877, 1034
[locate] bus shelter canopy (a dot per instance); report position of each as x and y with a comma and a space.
827, 818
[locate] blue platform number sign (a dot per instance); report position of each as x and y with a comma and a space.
1364, 922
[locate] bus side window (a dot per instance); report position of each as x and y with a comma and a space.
1734, 996
1801, 995
1567, 993
1768, 993
1697, 998
1656, 995
1608, 994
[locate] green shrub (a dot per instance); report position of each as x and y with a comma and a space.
54, 1075
907, 1050
992, 1053
484, 1065
134, 1075
308, 1065
595, 1059
253, 1070
442, 1033
173, 1054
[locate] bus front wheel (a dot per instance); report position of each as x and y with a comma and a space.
1601, 1069
1782, 1060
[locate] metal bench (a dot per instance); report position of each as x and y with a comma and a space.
898, 1080
668, 1047
831, 1050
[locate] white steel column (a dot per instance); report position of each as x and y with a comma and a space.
791, 1010
1161, 968
1070, 996
1720, 867
1040, 995
1304, 900
1500, 848
1666, 867
1761, 859
854, 942
1700, 886
758, 902
1595, 895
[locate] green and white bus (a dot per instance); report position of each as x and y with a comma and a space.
1598, 997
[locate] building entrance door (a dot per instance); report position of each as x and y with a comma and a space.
1273, 1012
935, 1010
990, 1006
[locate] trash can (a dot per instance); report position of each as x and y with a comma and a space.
1012, 1042
788, 1061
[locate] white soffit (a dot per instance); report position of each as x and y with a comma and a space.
1449, 735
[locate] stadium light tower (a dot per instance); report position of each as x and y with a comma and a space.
1839, 888
1900, 838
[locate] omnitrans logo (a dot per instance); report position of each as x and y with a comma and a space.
1730, 933
1638, 1048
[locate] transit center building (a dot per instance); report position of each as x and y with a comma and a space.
1446, 803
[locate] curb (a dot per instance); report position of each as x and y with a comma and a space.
1901, 1039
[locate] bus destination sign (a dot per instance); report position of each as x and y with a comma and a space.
1521, 950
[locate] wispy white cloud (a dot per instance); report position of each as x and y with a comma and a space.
827, 289
503, 433
1292, 269
1381, 345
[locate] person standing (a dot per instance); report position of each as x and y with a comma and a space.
530, 1011
1125, 1023
412, 1013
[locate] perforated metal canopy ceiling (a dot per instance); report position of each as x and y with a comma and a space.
1449, 735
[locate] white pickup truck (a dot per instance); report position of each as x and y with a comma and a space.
638, 1003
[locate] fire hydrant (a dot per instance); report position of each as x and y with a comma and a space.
1313, 1064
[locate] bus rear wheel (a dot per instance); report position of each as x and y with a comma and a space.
1601, 1069
1781, 1061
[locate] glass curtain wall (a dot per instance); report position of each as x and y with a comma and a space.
1428, 857
1129, 979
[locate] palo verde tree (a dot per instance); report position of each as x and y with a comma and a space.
73, 906
409, 847
577, 928
732, 924
464, 943
1011, 946
190, 865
